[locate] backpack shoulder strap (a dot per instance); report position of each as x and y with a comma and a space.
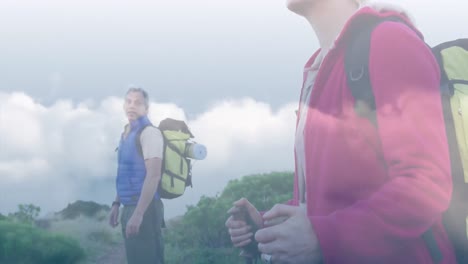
358, 78
356, 63
357, 67
138, 139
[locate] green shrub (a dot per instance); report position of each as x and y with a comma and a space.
94, 237
25, 244
26, 213
200, 236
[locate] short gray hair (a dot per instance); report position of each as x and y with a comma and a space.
143, 93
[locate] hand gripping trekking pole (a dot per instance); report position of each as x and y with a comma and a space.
250, 251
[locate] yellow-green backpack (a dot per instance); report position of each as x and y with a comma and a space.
176, 170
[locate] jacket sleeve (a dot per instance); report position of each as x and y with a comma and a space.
405, 79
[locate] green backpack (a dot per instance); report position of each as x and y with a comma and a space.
452, 57
176, 170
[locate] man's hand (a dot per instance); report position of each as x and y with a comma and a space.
291, 241
114, 216
240, 231
133, 225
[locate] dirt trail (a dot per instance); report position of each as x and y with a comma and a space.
116, 255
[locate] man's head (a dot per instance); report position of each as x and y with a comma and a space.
136, 103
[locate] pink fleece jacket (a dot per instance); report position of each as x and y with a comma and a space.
372, 192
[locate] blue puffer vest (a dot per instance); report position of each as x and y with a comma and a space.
131, 168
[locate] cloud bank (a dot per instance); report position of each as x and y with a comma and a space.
54, 155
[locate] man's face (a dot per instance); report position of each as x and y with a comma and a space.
135, 106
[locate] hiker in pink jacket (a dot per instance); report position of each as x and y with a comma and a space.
362, 193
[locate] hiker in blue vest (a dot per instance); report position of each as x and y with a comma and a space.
139, 171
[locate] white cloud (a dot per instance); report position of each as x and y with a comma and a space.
53, 155
232, 125
20, 170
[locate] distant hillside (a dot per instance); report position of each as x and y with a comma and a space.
84, 208
87, 222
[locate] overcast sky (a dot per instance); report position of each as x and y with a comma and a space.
232, 69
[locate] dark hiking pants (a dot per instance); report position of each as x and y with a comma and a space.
147, 247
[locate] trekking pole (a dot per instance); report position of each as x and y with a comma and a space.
249, 252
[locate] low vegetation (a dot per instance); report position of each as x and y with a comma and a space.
80, 234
